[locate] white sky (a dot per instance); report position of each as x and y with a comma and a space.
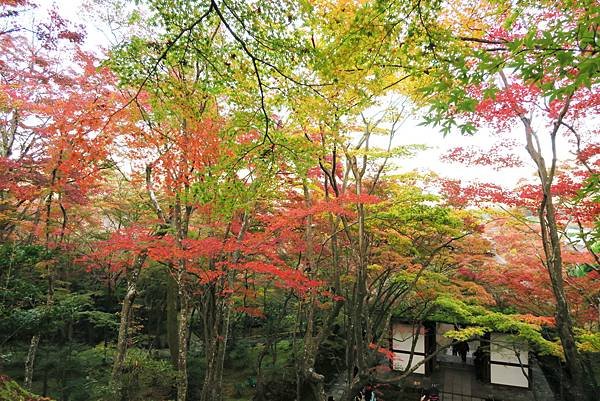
409, 133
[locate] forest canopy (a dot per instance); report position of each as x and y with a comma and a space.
214, 203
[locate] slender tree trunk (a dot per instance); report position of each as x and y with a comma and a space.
553, 259
183, 329
180, 222
564, 323
221, 351
35, 340
29, 362
212, 318
216, 312
172, 332
226, 305
311, 348
311, 343
260, 382
125, 320
552, 247
358, 319
123, 330
209, 389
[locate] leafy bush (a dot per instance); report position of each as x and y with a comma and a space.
11, 391
146, 378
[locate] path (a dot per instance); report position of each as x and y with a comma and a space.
336, 389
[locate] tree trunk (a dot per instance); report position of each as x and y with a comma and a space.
260, 382
316, 384
552, 253
217, 318
574, 362
209, 389
35, 340
357, 334
172, 332
221, 351
212, 314
183, 329
29, 362
125, 321
552, 247
123, 330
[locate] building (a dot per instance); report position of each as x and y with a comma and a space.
496, 366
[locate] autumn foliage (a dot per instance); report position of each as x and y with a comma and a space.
224, 185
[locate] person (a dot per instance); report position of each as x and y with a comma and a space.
454, 347
370, 394
478, 362
463, 349
431, 394
366, 394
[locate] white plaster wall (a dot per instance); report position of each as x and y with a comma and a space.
502, 349
403, 340
403, 337
401, 362
508, 375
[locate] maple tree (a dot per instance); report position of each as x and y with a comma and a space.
55, 139
529, 69
259, 60
237, 38
226, 160
527, 288
202, 184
